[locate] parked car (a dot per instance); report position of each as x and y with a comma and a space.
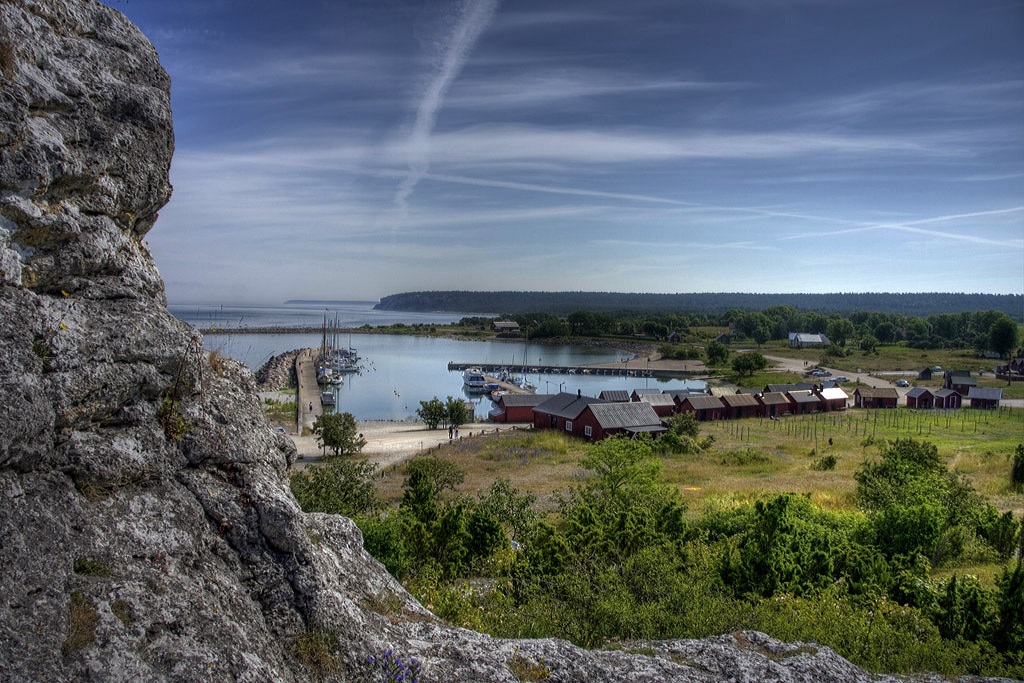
841, 378
902, 383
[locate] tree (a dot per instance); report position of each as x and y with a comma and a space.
339, 487
431, 412
840, 330
748, 363
440, 474
339, 433
1002, 336
717, 352
455, 411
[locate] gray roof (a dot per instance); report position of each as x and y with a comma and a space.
620, 395
681, 393
644, 392
658, 399
964, 380
878, 392
799, 386
986, 393
804, 397
703, 401
918, 391
625, 415
740, 400
524, 399
774, 398
943, 393
744, 390
566, 405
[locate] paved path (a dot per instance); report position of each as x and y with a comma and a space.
309, 391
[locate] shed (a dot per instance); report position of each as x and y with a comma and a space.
516, 407
985, 397
783, 388
663, 404
874, 397
920, 398
703, 407
561, 410
774, 403
601, 420
617, 395
805, 401
800, 340
639, 393
740, 405
947, 399
833, 398
505, 326
925, 373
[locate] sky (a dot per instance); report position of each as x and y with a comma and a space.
350, 149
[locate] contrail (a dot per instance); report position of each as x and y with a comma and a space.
476, 15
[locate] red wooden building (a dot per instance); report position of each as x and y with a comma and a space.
947, 399
805, 401
985, 397
920, 398
833, 398
663, 404
774, 403
703, 407
872, 397
561, 412
601, 420
516, 407
740, 405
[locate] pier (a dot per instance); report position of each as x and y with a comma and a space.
308, 392
632, 368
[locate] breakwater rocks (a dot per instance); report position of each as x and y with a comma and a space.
148, 533
278, 372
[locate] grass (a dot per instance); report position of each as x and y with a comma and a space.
82, 621
754, 458
315, 649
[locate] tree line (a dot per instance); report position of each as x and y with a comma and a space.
701, 303
987, 330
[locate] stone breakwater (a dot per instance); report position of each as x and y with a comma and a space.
147, 526
278, 372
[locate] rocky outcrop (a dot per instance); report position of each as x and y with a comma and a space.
146, 529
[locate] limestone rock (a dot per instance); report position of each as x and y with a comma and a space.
147, 532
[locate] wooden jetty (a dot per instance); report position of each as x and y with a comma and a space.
617, 369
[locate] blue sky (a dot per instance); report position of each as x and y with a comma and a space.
350, 149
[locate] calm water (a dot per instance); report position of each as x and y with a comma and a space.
349, 313
400, 371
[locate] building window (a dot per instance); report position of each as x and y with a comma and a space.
568, 425
588, 431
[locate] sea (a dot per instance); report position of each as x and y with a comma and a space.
397, 372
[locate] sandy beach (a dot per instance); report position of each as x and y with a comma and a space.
389, 442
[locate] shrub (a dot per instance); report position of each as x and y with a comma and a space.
339, 487
82, 621
1017, 470
824, 463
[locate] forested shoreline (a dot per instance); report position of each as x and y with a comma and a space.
705, 303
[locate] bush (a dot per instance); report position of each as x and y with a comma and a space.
339, 487
1017, 471
824, 463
